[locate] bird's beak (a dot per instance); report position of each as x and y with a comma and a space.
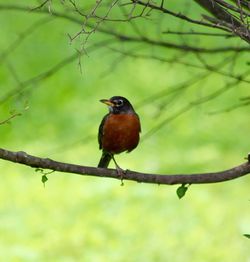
107, 102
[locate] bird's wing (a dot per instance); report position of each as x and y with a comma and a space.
139, 121
100, 131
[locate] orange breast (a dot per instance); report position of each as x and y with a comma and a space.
121, 133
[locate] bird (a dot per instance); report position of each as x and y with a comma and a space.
119, 130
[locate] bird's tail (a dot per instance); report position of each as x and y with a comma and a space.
105, 159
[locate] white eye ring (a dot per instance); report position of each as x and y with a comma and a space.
120, 102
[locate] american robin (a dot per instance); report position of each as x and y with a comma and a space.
119, 130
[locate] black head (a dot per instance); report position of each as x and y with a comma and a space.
118, 105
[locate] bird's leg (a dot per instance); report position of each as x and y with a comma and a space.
119, 170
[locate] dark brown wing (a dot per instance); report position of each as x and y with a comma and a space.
139, 120
100, 131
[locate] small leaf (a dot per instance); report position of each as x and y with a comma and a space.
181, 191
247, 235
44, 179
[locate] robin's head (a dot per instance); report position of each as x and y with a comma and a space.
118, 105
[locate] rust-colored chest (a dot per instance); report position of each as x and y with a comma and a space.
120, 133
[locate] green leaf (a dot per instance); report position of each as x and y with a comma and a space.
181, 191
44, 179
247, 235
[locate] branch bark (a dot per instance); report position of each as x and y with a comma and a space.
233, 23
167, 179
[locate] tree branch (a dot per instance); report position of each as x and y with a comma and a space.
46, 74
225, 18
177, 15
202, 178
136, 39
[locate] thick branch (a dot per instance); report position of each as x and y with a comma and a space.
46, 163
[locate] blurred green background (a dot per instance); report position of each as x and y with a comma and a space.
75, 218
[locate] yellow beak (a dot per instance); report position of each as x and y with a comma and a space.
107, 102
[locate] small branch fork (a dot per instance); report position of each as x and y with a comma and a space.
202, 178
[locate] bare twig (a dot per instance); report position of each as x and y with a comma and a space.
233, 8
22, 36
244, 3
9, 118
90, 15
189, 106
225, 18
170, 32
179, 88
179, 15
186, 48
42, 5
207, 68
138, 39
231, 108
25, 84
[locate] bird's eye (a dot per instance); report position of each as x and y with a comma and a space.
119, 102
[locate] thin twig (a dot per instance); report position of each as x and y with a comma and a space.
189, 106
170, 32
161, 59
179, 15
44, 75
141, 39
9, 118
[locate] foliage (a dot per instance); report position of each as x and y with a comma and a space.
181, 191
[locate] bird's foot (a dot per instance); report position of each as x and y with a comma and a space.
120, 173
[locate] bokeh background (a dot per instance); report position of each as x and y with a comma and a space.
76, 218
